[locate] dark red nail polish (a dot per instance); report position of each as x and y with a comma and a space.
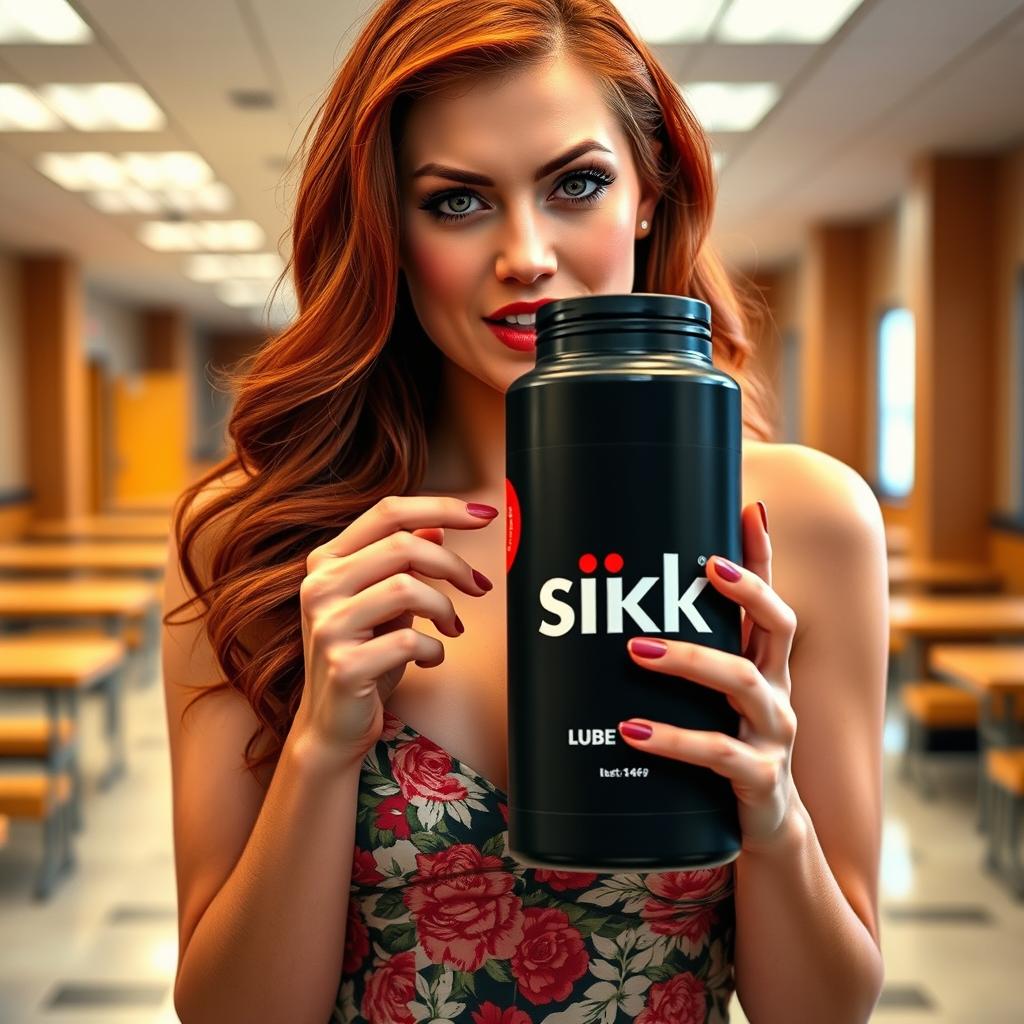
648, 648
636, 730
482, 580
727, 570
458, 625
764, 515
474, 508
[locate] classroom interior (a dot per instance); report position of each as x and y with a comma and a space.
870, 163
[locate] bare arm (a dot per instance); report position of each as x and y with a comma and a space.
263, 880
263, 876
269, 946
807, 940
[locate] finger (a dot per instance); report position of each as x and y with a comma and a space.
746, 767
402, 512
391, 598
766, 609
749, 692
400, 552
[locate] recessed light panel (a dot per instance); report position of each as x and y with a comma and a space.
105, 106
730, 106
153, 183
211, 267
41, 21
783, 21
244, 292
200, 236
657, 22
82, 172
21, 110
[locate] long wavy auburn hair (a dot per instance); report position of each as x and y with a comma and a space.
335, 412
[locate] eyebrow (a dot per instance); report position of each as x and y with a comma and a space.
471, 178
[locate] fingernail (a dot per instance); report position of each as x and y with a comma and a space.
458, 625
727, 570
648, 648
764, 515
482, 580
636, 730
481, 511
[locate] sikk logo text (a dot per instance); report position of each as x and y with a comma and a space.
617, 604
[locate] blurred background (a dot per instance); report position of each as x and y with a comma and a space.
870, 156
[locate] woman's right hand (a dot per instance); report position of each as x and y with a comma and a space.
358, 601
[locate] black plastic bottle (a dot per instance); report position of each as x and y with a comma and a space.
623, 475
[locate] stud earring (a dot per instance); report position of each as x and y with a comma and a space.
643, 225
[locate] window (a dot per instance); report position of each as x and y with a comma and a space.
896, 403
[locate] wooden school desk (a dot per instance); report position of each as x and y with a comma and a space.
916, 620
95, 528
906, 574
143, 558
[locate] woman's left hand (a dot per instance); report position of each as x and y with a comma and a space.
757, 685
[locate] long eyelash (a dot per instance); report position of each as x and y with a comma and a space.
593, 173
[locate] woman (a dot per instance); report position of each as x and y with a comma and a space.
470, 156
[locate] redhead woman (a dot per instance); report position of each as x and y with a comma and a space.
335, 606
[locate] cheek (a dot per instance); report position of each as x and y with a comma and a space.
440, 265
608, 253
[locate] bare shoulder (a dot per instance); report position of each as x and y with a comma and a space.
824, 522
810, 494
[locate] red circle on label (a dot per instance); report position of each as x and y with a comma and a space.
613, 562
588, 563
513, 524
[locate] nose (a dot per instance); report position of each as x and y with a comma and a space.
525, 252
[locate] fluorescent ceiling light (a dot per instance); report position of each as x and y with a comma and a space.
151, 183
213, 198
126, 200
244, 292
209, 267
41, 21
168, 170
22, 111
730, 106
105, 106
87, 171
656, 22
783, 21
197, 236
80, 171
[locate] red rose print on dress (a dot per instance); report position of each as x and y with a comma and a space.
464, 908
690, 928
357, 940
364, 868
390, 987
689, 885
421, 768
391, 817
679, 1000
678, 910
491, 1014
565, 880
551, 957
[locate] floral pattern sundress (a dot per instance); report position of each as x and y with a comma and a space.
445, 925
